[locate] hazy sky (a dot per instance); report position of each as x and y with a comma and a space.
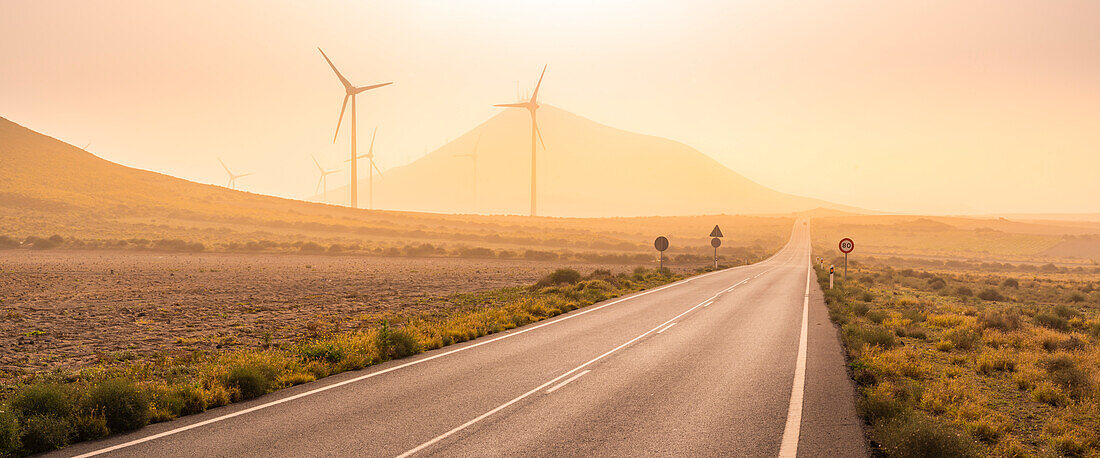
934, 106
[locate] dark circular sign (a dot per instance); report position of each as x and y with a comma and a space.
661, 244
847, 245
716, 242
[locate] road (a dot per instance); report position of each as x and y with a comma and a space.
739, 362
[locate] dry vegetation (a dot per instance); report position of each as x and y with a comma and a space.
973, 358
44, 411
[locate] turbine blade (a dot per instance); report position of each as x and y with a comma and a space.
539, 132
535, 96
512, 105
243, 175
318, 164
367, 88
372, 164
224, 167
341, 119
319, 185
370, 151
347, 85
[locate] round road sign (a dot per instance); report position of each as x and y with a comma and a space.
847, 245
716, 242
661, 244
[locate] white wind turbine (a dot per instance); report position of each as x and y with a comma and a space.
232, 178
369, 155
531, 106
350, 92
323, 179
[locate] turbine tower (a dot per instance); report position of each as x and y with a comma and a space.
473, 182
350, 92
369, 155
232, 177
531, 106
324, 178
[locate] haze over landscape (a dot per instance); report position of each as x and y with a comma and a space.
550, 228
929, 107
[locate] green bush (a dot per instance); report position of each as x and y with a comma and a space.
991, 294
1052, 321
560, 276
121, 404
1010, 283
964, 291
876, 406
43, 433
857, 336
88, 427
964, 338
249, 381
323, 351
396, 343
1004, 320
918, 435
9, 432
43, 399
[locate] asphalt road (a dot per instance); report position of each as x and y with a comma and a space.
707, 366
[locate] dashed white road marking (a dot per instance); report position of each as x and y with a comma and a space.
570, 379
669, 326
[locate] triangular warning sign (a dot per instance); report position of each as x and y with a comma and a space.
716, 232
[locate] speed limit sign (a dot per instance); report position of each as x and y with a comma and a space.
847, 245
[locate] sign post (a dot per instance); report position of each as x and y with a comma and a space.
661, 244
716, 241
846, 246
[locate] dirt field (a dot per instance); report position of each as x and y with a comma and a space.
67, 309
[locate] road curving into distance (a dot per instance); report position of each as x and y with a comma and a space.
739, 362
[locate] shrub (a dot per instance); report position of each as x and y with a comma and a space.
250, 381
6, 243
311, 247
560, 276
963, 338
1004, 320
40, 243
1063, 371
877, 405
88, 427
1066, 311
857, 336
43, 399
1075, 297
917, 435
964, 291
1051, 321
43, 433
937, 283
122, 405
1010, 283
1048, 394
396, 343
991, 294
9, 432
877, 316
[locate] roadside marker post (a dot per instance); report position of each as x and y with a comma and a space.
846, 246
830, 276
661, 244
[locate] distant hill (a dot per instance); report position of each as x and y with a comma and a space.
587, 170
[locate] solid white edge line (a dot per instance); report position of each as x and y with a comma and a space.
410, 363
570, 379
789, 445
540, 387
669, 326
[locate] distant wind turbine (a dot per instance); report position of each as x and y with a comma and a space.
350, 92
531, 106
85, 147
232, 178
369, 155
473, 156
324, 178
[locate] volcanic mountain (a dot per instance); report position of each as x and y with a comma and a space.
587, 169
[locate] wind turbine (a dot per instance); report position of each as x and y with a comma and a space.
531, 106
350, 92
473, 156
324, 177
369, 155
232, 177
